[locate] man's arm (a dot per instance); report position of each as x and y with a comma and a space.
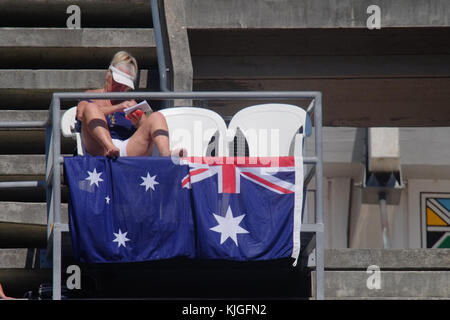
104, 109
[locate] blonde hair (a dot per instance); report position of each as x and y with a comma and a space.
125, 59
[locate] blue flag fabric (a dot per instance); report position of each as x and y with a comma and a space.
129, 209
139, 209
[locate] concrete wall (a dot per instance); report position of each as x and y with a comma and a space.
233, 13
396, 76
313, 13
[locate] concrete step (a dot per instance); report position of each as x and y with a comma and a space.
393, 284
19, 235
67, 80
387, 259
32, 140
23, 115
32, 89
105, 13
30, 213
31, 194
25, 168
19, 258
32, 48
24, 224
404, 274
22, 167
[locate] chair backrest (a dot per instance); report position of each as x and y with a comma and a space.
269, 129
68, 122
193, 128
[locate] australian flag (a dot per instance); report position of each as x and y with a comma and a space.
129, 209
139, 208
246, 208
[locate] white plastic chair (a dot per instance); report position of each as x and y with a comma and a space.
193, 128
270, 129
68, 122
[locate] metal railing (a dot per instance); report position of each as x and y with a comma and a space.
54, 160
160, 52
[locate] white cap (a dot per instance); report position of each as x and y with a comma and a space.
122, 77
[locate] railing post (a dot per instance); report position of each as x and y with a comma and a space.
319, 155
320, 268
160, 49
56, 198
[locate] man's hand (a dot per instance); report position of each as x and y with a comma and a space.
126, 104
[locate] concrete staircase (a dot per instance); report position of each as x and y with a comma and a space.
404, 274
39, 55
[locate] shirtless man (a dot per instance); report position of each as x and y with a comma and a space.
104, 128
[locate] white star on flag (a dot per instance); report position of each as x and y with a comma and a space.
228, 226
94, 177
149, 182
121, 238
108, 199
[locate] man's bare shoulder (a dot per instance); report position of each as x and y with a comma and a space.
90, 91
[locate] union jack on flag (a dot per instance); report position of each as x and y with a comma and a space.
230, 170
